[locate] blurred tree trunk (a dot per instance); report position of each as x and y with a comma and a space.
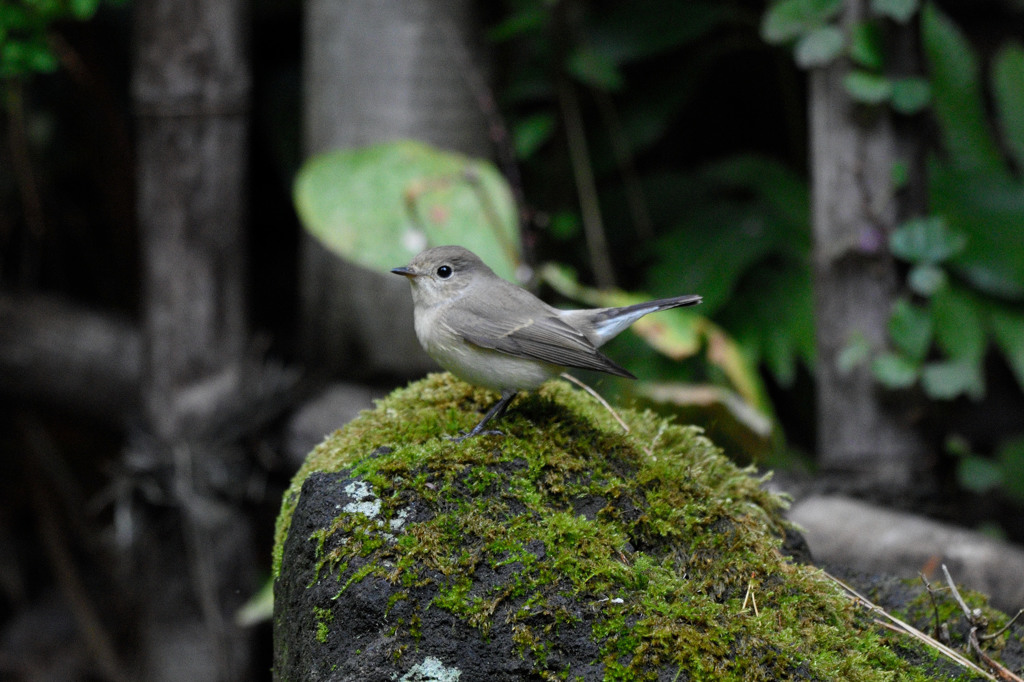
193, 555
377, 71
862, 437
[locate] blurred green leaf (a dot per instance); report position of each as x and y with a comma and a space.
897, 10
629, 31
748, 209
900, 174
956, 93
771, 315
910, 95
818, 47
14, 17
1008, 97
866, 45
947, 380
790, 19
868, 88
379, 206
564, 225
1008, 330
525, 19
747, 250
926, 279
83, 9
926, 240
854, 354
529, 134
772, 185
910, 328
989, 210
259, 608
978, 474
894, 371
1011, 463
959, 325
594, 68
39, 57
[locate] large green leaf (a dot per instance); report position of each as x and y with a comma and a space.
1008, 330
959, 325
379, 206
956, 93
1008, 90
989, 210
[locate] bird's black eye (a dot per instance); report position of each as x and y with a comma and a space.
444, 272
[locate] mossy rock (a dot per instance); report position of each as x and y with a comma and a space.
563, 550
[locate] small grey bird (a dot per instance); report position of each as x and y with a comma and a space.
491, 333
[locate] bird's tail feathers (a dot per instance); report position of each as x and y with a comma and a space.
608, 322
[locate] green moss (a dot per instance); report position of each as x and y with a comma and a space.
652, 540
324, 617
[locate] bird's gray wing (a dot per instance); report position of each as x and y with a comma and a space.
533, 331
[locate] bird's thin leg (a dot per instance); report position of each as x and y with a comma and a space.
495, 412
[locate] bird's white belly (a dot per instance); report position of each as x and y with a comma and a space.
492, 369
495, 370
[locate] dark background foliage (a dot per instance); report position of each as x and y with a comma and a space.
696, 134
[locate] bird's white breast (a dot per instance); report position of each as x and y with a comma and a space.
475, 365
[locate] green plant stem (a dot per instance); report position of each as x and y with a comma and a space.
586, 187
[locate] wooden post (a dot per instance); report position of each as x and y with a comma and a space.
861, 436
191, 87
376, 71
193, 557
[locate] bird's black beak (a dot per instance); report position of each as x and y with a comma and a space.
405, 271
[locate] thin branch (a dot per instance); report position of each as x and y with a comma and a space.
627, 168
940, 632
971, 614
586, 186
1002, 629
1002, 672
96, 637
908, 629
594, 394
